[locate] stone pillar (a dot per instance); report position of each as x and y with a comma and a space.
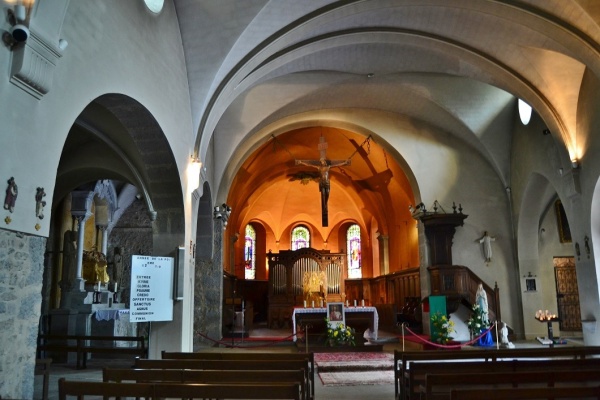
104, 244
81, 202
79, 282
384, 254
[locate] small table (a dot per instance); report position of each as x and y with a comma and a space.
550, 332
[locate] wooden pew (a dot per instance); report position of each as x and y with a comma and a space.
419, 370
206, 376
233, 365
80, 389
438, 386
42, 367
83, 345
402, 359
309, 357
527, 393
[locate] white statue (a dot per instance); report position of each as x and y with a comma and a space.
486, 241
504, 337
482, 302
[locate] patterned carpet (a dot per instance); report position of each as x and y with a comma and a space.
351, 369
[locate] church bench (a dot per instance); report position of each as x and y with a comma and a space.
42, 367
81, 389
308, 357
438, 386
403, 359
83, 345
420, 370
580, 392
207, 376
233, 365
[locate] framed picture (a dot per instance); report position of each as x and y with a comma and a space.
530, 285
335, 313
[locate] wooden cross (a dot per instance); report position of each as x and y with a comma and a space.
323, 165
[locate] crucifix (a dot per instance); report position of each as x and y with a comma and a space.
323, 165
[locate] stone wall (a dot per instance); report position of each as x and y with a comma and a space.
21, 274
133, 235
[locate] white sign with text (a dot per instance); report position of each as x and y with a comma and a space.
151, 289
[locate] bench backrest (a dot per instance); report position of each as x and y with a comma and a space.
308, 357
206, 376
438, 386
527, 393
220, 364
402, 360
178, 390
416, 375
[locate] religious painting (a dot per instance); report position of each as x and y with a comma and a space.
564, 232
530, 284
335, 314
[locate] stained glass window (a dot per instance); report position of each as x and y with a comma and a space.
250, 253
354, 252
300, 238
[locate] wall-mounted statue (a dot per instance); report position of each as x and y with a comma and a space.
11, 195
486, 242
39, 202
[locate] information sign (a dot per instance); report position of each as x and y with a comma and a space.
151, 289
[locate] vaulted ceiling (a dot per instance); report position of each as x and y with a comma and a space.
259, 68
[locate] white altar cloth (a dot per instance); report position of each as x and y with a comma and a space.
323, 310
108, 314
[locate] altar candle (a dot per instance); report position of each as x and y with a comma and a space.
304, 303
354, 303
116, 287
98, 286
321, 303
347, 304
362, 303
313, 304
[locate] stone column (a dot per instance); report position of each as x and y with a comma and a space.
384, 254
79, 283
104, 244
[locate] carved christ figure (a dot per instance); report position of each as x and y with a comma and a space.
323, 165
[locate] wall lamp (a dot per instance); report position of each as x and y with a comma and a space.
222, 212
575, 163
18, 32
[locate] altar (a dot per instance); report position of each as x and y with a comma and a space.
359, 318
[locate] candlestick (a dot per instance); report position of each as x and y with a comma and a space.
313, 304
304, 303
116, 283
354, 303
321, 303
347, 304
98, 286
362, 303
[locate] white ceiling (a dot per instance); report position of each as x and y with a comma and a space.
455, 65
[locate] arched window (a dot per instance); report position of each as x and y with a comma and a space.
354, 252
300, 238
250, 253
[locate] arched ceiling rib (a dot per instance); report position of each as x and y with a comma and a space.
528, 29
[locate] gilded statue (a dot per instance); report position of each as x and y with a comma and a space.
312, 284
94, 267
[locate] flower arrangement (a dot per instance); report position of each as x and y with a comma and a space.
443, 327
339, 334
478, 321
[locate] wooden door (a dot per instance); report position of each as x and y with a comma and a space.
567, 294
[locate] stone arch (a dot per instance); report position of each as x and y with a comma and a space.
538, 200
116, 139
